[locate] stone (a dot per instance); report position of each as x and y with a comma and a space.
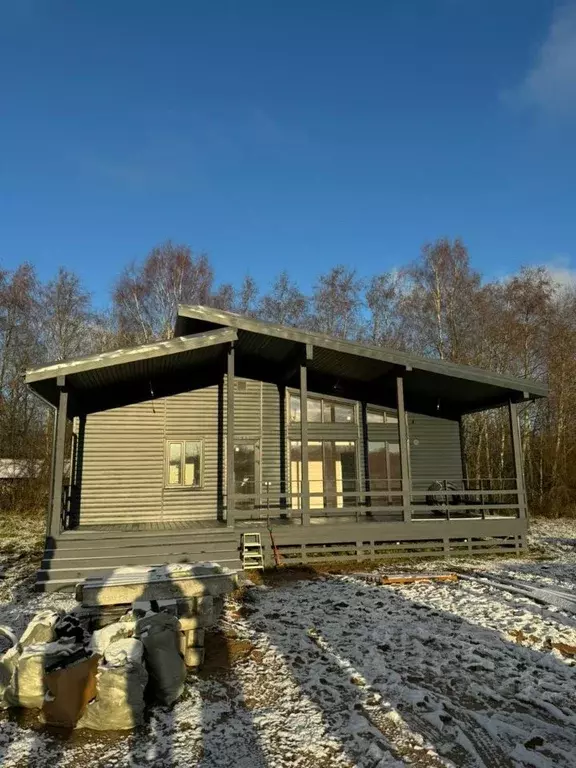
194, 657
116, 590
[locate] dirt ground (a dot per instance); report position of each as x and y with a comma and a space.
322, 669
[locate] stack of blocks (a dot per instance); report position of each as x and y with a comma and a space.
195, 594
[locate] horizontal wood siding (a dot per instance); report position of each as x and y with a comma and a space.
122, 467
124, 458
194, 416
124, 451
434, 450
271, 440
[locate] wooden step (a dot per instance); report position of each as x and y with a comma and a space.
75, 539
147, 556
142, 546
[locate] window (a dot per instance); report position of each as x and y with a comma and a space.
184, 463
246, 474
321, 410
339, 413
331, 473
384, 470
381, 417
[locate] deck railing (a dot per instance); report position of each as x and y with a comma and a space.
446, 498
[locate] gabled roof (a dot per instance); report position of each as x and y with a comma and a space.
467, 387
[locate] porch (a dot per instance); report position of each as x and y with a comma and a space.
97, 550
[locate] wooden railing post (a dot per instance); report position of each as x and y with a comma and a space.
517, 453
57, 485
230, 387
403, 441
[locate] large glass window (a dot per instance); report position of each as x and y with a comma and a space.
384, 470
331, 473
322, 410
184, 463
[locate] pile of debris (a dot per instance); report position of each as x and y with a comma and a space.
130, 641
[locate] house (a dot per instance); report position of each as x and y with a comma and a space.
180, 446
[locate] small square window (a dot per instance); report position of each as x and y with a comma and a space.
184, 463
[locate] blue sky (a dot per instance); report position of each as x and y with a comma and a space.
286, 134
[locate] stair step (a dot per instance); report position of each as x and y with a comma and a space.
121, 550
74, 575
136, 538
146, 557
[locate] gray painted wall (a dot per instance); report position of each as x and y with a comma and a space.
123, 453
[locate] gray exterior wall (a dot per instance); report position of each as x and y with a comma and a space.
122, 453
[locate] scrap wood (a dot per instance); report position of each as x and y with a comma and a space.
564, 648
411, 578
523, 639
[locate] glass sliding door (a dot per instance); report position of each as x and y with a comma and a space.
332, 473
246, 473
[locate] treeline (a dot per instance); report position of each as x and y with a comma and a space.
437, 306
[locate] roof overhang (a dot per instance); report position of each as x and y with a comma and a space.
134, 374
360, 371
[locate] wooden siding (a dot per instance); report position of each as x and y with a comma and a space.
124, 458
123, 454
434, 450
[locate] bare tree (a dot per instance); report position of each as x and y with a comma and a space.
443, 289
337, 303
67, 317
382, 297
285, 304
147, 295
246, 301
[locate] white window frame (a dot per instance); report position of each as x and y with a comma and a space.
182, 485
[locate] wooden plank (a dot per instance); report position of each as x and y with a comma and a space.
405, 578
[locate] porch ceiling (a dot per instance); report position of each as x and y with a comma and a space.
360, 371
110, 379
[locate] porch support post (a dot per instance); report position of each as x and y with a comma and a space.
230, 438
517, 454
55, 505
403, 441
304, 479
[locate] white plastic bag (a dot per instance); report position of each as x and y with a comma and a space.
119, 702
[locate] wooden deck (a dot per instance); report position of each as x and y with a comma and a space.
169, 525
282, 523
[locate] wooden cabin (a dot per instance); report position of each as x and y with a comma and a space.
179, 447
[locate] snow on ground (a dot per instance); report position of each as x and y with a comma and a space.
336, 671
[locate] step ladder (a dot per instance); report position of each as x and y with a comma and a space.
252, 556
